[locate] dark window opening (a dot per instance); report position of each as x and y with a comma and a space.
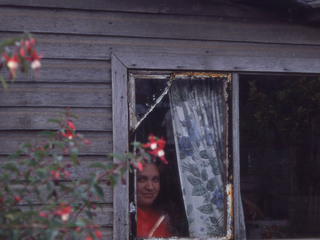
193, 186
158, 122
279, 154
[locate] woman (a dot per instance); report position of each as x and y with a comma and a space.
150, 221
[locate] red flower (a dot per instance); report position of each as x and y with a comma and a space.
35, 61
29, 44
71, 125
64, 211
17, 199
98, 234
151, 144
12, 63
68, 133
156, 147
139, 166
89, 238
56, 174
22, 52
43, 214
66, 173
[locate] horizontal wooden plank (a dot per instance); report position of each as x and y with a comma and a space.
56, 95
103, 216
60, 70
33, 197
101, 142
76, 172
245, 54
215, 8
106, 232
154, 26
90, 119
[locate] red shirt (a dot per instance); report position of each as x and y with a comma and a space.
146, 220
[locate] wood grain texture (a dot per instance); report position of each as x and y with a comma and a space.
78, 38
89, 119
215, 8
56, 95
230, 63
232, 55
76, 172
101, 142
62, 195
70, 70
120, 145
236, 155
154, 26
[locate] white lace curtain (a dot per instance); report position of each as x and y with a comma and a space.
198, 113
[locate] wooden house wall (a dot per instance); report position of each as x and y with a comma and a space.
78, 37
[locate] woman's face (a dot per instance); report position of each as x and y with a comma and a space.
148, 185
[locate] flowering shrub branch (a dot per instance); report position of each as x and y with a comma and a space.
38, 198
19, 53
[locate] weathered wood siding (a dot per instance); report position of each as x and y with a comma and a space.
78, 37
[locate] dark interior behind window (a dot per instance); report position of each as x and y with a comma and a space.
158, 122
280, 157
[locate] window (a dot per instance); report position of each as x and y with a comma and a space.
122, 63
190, 111
280, 159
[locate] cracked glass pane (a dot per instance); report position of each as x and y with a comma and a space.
149, 92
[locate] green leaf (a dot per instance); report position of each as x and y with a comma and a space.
41, 172
182, 155
15, 155
194, 169
57, 144
206, 209
98, 165
51, 234
54, 120
194, 180
4, 83
58, 158
80, 223
89, 214
24, 148
74, 151
8, 42
204, 175
211, 184
215, 167
116, 155
203, 154
189, 209
97, 191
50, 187
47, 133
65, 188
11, 166
198, 190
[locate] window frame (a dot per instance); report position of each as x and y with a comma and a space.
122, 62
120, 67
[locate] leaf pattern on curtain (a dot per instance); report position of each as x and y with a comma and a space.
197, 108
